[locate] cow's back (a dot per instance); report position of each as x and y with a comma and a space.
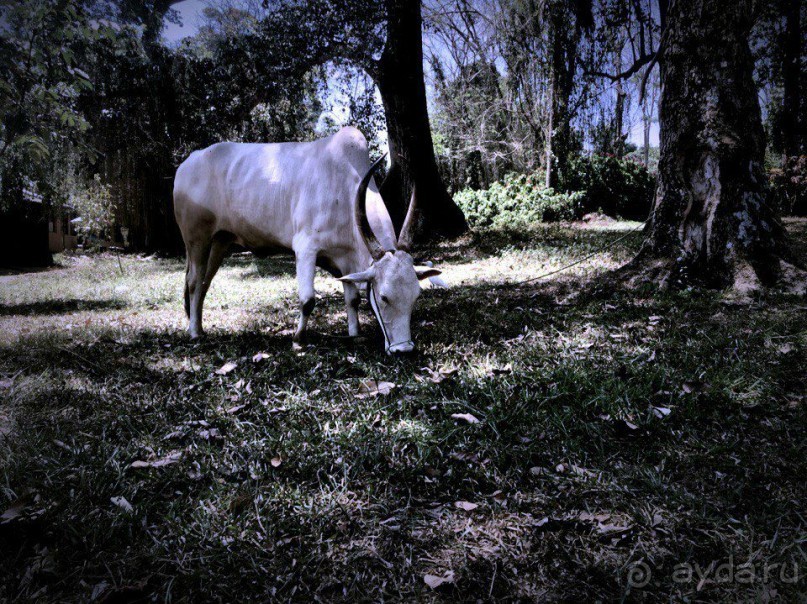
268, 195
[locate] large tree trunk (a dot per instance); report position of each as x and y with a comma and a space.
399, 76
619, 118
565, 41
792, 121
712, 223
563, 58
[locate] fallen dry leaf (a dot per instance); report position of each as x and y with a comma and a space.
463, 456
433, 376
499, 496
122, 503
209, 434
582, 471
369, 388
607, 529
276, 461
629, 425
261, 356
226, 368
435, 581
694, 386
661, 411
466, 505
14, 511
437, 376
169, 459
589, 517
466, 417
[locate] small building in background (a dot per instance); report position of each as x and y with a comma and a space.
62, 230
24, 237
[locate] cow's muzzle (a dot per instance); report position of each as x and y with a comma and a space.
401, 348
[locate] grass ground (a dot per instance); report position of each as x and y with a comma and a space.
541, 446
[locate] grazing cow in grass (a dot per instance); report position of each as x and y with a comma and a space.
317, 199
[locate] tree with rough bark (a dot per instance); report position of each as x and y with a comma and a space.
780, 50
399, 77
793, 123
712, 223
567, 21
384, 38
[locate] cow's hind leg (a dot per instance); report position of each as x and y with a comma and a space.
198, 254
306, 267
187, 295
218, 249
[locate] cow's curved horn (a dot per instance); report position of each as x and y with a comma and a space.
375, 248
407, 230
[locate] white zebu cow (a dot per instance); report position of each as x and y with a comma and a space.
317, 199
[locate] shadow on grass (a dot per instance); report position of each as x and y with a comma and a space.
59, 307
280, 265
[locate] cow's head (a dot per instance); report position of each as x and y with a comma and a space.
392, 277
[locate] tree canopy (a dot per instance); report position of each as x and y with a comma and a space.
90, 87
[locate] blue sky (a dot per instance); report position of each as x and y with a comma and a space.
190, 13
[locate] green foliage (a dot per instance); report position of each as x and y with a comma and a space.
42, 75
96, 206
637, 156
517, 200
473, 124
617, 187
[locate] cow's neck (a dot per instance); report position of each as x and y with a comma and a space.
357, 261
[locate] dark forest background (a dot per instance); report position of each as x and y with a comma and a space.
534, 99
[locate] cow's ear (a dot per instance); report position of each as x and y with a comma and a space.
424, 272
362, 277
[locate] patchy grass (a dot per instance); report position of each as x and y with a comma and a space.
615, 436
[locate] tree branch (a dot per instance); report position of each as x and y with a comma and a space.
637, 65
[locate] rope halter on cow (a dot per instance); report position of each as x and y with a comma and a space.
377, 251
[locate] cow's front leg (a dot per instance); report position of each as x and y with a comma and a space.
306, 267
352, 300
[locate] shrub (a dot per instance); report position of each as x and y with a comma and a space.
594, 183
517, 200
95, 205
621, 188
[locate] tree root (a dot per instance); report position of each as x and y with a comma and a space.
661, 274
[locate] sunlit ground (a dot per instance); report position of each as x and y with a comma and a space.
544, 444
